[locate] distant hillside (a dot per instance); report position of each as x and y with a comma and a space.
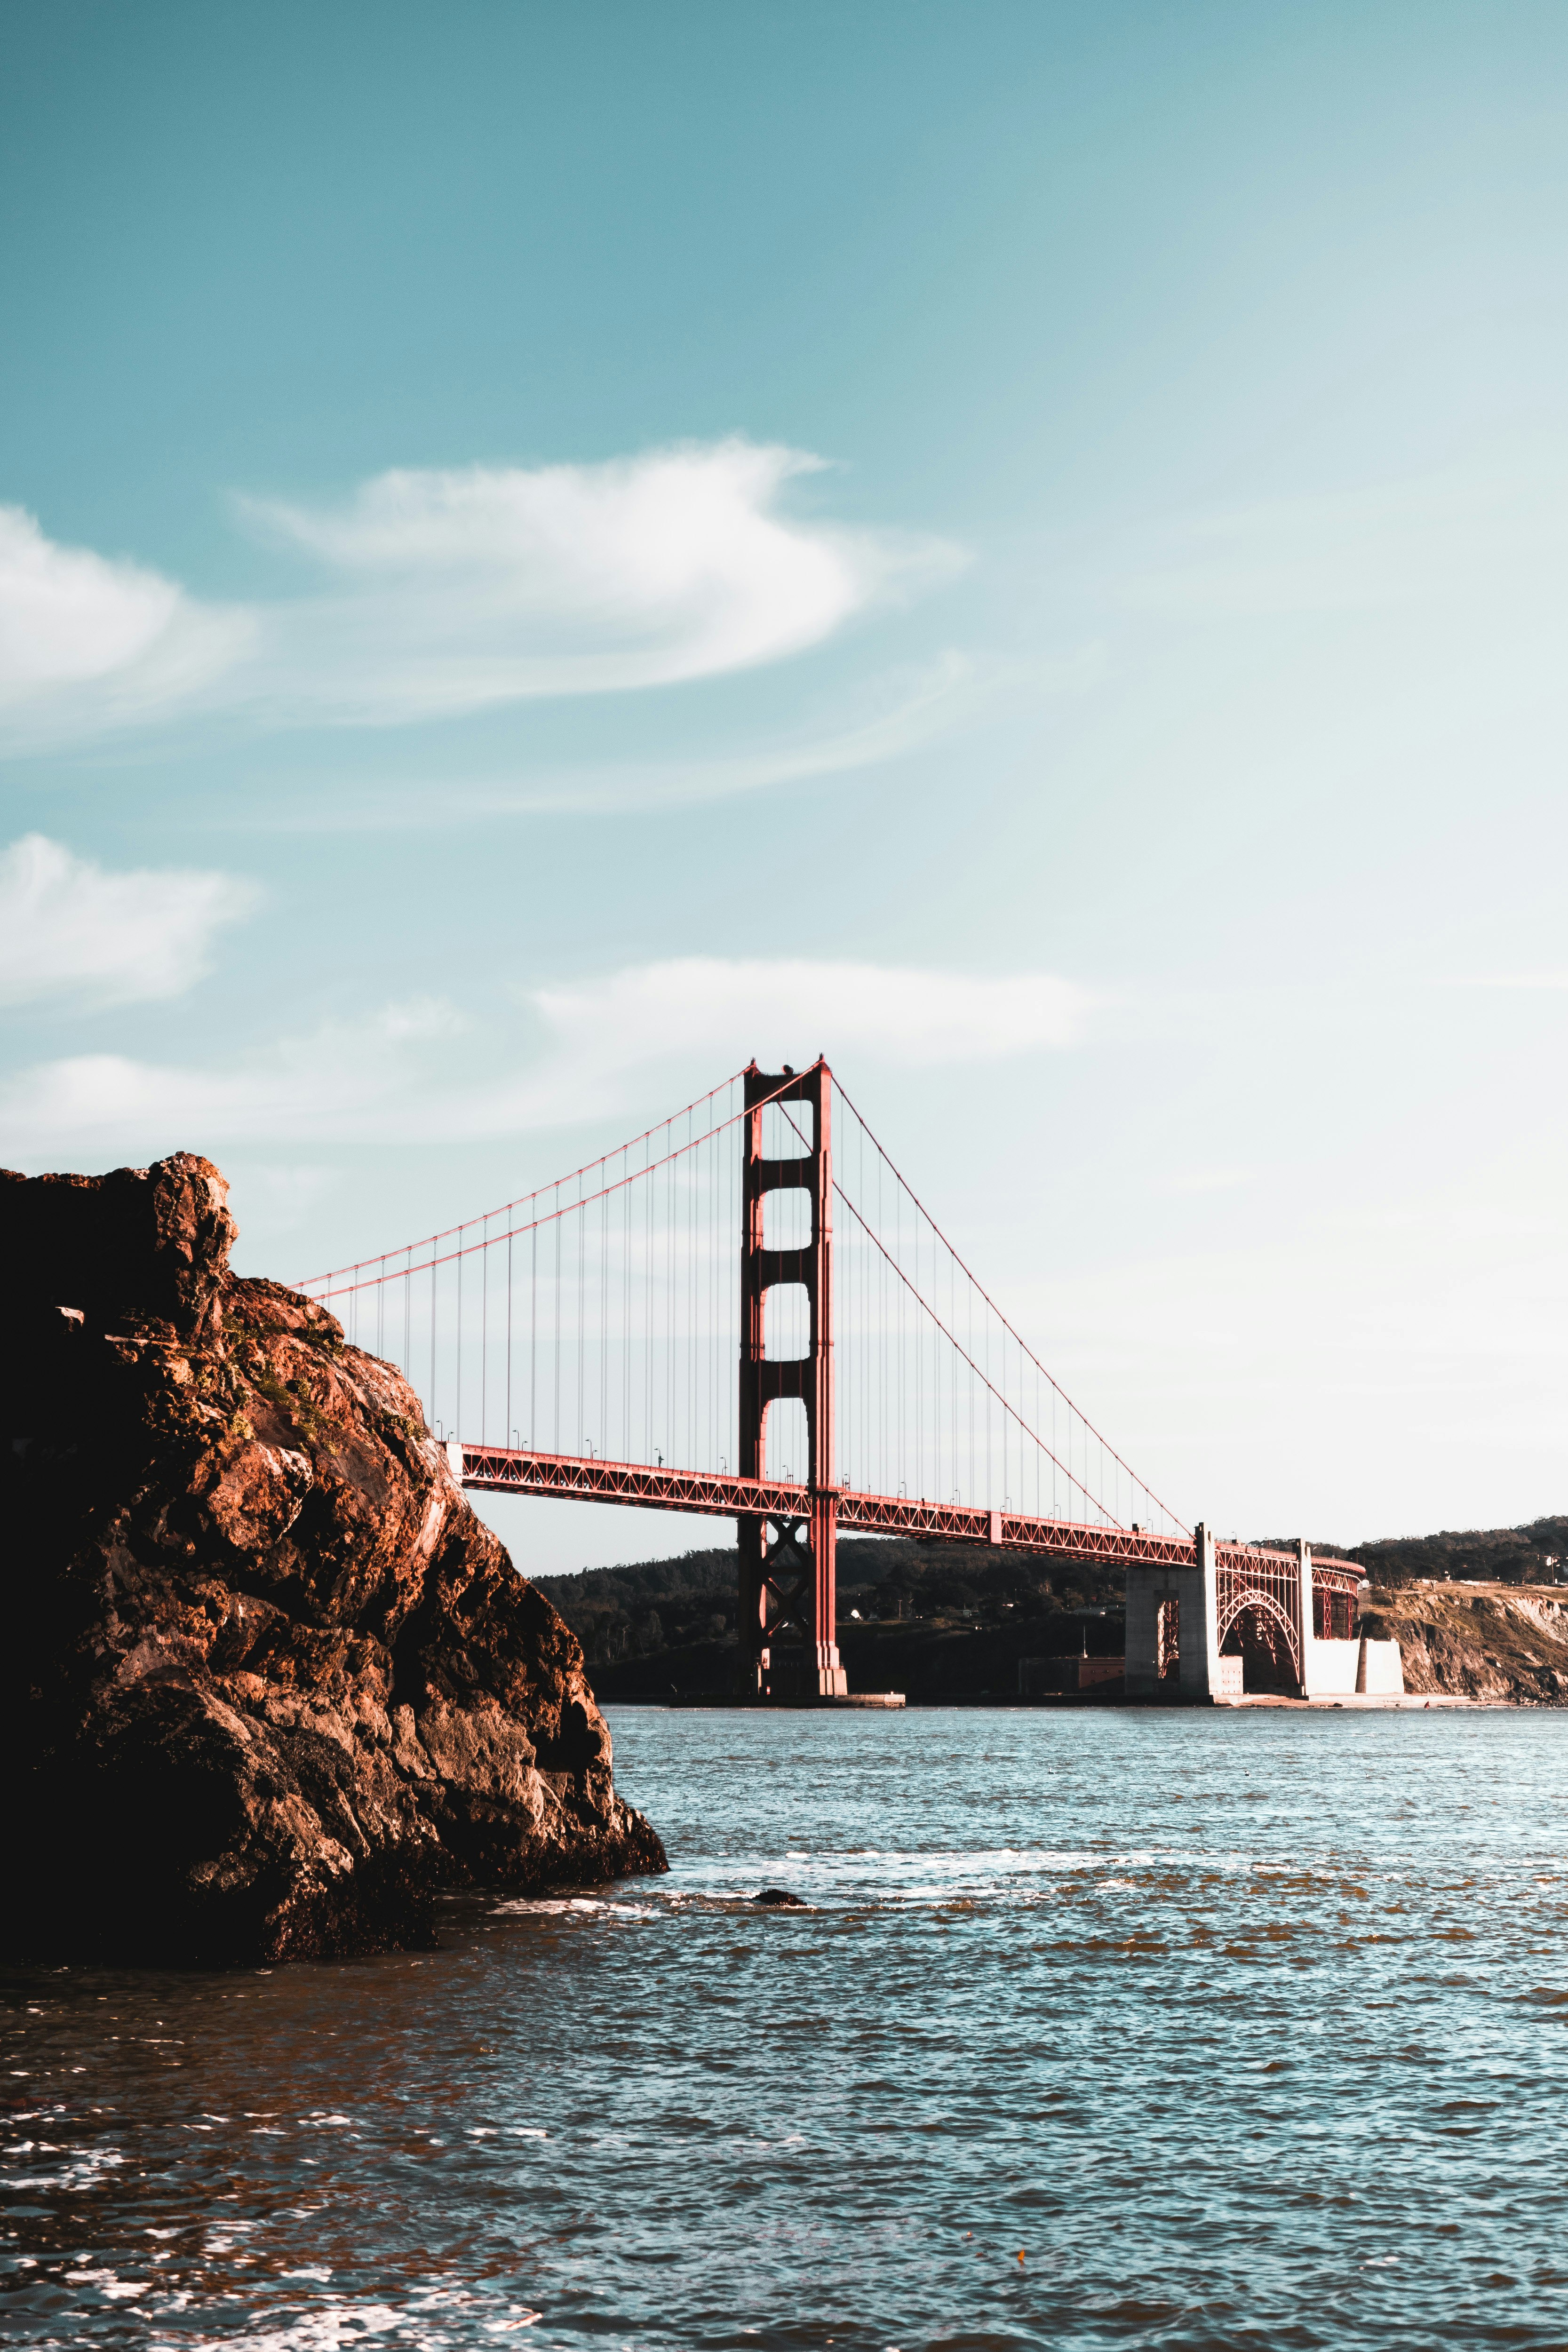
648, 1606
1536, 1554
930, 1617
653, 1606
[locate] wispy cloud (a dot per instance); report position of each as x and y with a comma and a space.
794, 1009
87, 643
391, 1077
1413, 543
458, 590
1530, 981
904, 713
70, 929
436, 595
344, 1080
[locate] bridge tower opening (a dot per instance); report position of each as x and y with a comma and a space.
789, 1632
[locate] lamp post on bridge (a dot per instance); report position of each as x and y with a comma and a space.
789, 1603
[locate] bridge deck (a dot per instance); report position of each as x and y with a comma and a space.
504, 1470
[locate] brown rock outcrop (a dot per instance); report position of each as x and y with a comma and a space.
267, 1685
1472, 1640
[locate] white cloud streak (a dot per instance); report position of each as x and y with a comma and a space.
344, 1081
926, 708
792, 1009
87, 643
1531, 983
68, 930
457, 591
1414, 545
392, 1078
914, 710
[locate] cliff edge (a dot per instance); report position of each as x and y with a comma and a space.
267, 1683
1477, 1640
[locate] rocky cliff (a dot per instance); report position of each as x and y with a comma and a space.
267, 1685
1477, 1641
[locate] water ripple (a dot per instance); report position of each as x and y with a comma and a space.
1125, 2029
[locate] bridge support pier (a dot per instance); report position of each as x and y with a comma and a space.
1173, 1643
1332, 1660
1305, 1618
789, 1633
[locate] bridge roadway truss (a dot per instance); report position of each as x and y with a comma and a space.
1248, 1575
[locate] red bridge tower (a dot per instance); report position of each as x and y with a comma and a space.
788, 1602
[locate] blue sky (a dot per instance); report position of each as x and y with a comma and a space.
547, 550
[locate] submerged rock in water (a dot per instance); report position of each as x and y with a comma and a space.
267, 1685
779, 1899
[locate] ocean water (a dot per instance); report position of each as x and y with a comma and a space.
1101, 2029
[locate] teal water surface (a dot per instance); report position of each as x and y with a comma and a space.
1109, 2028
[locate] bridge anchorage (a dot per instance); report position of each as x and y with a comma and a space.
590, 1340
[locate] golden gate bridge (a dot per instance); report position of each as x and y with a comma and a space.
747, 1312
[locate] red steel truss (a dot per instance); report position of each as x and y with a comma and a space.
1244, 1570
1269, 1583
1266, 1583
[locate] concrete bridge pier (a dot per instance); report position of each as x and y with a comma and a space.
1173, 1623
1172, 1640
1331, 1663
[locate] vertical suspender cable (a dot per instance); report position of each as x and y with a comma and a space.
555, 1226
